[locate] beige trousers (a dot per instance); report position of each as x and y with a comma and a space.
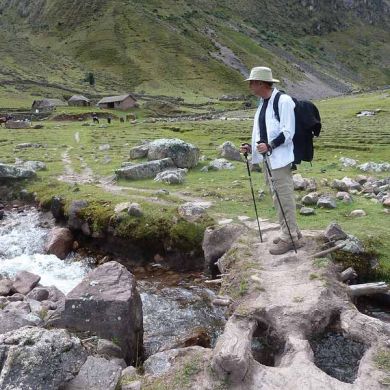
282, 182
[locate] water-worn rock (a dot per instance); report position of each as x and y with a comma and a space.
12, 172
60, 242
96, 373
171, 176
183, 154
5, 287
229, 151
39, 294
146, 170
25, 281
107, 304
36, 358
219, 164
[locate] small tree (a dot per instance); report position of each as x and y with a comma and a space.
90, 78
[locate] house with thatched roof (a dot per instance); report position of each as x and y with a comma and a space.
122, 102
79, 100
47, 104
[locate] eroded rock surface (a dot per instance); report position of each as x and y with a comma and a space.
35, 358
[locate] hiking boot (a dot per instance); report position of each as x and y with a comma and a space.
277, 239
284, 246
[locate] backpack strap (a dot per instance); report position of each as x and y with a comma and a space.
276, 105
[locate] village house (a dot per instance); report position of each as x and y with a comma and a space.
79, 100
122, 102
47, 104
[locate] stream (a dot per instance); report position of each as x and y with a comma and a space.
176, 307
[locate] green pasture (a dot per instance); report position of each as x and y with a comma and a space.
344, 134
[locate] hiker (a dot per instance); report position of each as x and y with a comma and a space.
272, 140
109, 119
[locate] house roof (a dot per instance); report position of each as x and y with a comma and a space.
76, 98
50, 102
112, 99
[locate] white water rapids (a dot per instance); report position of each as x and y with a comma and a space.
22, 241
169, 313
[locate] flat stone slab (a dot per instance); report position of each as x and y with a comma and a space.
146, 170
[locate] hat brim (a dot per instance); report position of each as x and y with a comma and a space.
268, 81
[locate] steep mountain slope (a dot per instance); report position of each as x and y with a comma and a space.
193, 48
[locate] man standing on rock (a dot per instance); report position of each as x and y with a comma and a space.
273, 140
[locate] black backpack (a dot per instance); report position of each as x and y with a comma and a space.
307, 125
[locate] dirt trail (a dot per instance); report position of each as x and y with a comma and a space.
294, 298
108, 184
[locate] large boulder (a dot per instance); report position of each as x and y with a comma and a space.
146, 170
107, 304
60, 242
183, 154
12, 172
36, 358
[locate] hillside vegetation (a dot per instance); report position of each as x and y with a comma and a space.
192, 49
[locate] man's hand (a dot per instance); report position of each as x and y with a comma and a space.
245, 148
262, 147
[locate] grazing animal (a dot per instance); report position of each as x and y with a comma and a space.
95, 118
121, 120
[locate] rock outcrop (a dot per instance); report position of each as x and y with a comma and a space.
35, 358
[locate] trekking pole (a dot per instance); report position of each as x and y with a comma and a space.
253, 194
277, 197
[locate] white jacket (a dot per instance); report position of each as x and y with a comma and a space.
283, 154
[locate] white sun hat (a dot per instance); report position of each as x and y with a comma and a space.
262, 73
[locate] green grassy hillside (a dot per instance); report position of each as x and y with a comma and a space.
174, 47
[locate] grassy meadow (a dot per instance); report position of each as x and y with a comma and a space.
73, 147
